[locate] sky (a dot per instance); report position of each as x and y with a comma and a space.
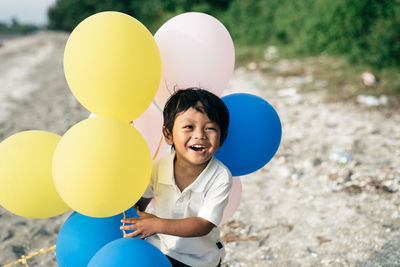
25, 11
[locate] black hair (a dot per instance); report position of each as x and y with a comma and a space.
201, 100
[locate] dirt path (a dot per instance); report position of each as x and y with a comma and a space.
33, 95
329, 197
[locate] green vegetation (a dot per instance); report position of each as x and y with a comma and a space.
16, 28
353, 36
365, 31
66, 14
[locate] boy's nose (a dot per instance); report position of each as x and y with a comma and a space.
199, 134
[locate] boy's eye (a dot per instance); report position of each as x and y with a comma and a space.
211, 128
188, 127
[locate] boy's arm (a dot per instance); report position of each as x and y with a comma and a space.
188, 227
142, 204
149, 224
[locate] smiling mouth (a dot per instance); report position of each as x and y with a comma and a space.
198, 148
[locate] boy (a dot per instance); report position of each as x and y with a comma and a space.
190, 186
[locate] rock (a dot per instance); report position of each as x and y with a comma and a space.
373, 101
271, 53
317, 162
252, 66
340, 157
292, 91
284, 171
368, 78
291, 95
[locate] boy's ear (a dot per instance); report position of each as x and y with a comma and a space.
167, 135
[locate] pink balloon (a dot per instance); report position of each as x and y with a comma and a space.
234, 200
149, 124
196, 51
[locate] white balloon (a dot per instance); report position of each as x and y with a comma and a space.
196, 51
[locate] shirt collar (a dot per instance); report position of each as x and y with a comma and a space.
201, 181
166, 173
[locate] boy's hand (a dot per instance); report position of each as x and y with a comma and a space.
146, 225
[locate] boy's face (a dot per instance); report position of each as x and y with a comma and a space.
195, 137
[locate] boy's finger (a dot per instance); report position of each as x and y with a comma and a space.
133, 234
131, 220
128, 235
128, 227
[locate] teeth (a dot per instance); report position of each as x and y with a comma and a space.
197, 147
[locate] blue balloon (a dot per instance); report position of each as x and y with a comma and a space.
125, 252
254, 134
82, 236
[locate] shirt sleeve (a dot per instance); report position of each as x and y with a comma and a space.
216, 199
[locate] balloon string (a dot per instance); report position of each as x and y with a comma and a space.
123, 224
158, 148
24, 258
157, 106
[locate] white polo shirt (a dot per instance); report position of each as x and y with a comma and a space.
206, 197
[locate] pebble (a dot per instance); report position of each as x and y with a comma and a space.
284, 171
252, 66
340, 157
368, 78
271, 53
287, 92
373, 101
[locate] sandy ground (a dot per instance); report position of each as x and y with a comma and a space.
328, 198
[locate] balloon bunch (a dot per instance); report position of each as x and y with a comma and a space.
101, 166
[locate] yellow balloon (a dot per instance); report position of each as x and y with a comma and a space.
101, 167
26, 182
112, 65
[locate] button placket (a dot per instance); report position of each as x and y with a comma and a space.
181, 198
179, 201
